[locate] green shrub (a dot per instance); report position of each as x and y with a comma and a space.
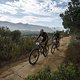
45, 74
13, 45
10, 50
73, 52
67, 72
64, 72
6, 45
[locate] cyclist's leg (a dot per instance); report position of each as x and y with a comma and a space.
42, 46
57, 45
56, 42
45, 45
45, 52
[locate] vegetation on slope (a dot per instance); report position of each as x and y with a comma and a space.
64, 72
13, 45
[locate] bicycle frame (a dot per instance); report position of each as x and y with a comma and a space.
39, 46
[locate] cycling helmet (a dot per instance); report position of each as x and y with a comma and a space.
41, 31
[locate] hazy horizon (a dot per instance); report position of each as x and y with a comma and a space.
36, 12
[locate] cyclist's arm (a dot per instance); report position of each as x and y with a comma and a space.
37, 37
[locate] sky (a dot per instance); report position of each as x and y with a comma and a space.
37, 12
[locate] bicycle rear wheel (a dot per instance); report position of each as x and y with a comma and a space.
53, 47
34, 56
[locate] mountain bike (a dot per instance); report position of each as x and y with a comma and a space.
35, 53
55, 45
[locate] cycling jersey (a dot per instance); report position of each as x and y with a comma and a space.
44, 35
57, 35
45, 38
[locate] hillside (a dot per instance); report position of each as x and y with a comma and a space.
24, 27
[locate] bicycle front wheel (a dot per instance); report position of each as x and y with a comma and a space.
34, 56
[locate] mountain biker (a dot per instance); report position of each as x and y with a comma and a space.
56, 36
44, 36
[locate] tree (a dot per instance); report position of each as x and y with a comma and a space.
16, 35
4, 31
71, 17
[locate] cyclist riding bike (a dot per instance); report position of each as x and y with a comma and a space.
41, 48
56, 36
44, 36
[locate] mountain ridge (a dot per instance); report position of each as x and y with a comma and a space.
24, 27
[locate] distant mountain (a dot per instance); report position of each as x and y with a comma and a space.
58, 28
24, 27
24, 32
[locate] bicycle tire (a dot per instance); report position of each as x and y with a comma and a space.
33, 54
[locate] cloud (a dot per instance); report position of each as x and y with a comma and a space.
6, 8
31, 6
32, 11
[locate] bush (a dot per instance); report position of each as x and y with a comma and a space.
45, 74
64, 72
67, 72
6, 45
13, 45
73, 52
10, 49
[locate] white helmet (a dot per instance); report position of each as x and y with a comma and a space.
41, 31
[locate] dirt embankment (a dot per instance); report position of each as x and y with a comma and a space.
19, 71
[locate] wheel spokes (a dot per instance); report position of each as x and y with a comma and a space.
34, 56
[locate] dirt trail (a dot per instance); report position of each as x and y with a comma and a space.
22, 70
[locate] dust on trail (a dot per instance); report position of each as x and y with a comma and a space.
22, 70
